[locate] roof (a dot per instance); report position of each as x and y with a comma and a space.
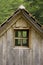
32, 20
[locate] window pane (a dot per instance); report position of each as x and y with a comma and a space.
18, 42
24, 33
18, 34
24, 42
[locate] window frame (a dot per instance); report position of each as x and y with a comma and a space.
18, 38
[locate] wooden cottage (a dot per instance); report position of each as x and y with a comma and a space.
21, 40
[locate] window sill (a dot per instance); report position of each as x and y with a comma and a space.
21, 47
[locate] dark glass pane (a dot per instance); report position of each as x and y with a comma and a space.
24, 42
17, 42
18, 34
24, 34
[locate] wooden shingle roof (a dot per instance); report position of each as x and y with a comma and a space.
27, 15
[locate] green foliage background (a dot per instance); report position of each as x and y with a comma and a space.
7, 8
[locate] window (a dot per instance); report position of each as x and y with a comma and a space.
21, 37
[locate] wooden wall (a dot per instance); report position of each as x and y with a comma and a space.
11, 55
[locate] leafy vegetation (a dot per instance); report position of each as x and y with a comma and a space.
7, 8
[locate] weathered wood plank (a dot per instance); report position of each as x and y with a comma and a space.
41, 58
1, 51
4, 49
19, 56
21, 23
9, 45
35, 41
